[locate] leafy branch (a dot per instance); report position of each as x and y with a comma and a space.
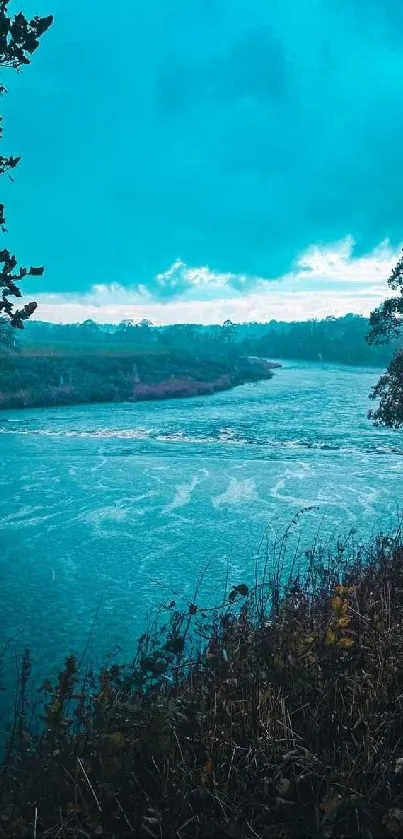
386, 324
19, 38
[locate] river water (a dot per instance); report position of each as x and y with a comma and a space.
100, 504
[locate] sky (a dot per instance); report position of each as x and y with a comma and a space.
197, 160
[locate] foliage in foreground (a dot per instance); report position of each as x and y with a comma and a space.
389, 391
19, 38
277, 714
386, 325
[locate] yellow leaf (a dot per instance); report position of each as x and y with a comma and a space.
207, 772
310, 639
346, 642
264, 696
310, 658
103, 697
330, 638
73, 808
116, 739
330, 806
344, 621
339, 606
341, 590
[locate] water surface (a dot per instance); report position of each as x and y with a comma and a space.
99, 502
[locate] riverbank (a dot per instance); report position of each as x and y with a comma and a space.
279, 713
32, 381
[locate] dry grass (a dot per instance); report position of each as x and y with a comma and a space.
277, 714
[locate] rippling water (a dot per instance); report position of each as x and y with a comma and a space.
99, 502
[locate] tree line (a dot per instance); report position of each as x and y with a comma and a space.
341, 340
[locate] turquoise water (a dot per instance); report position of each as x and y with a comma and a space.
98, 503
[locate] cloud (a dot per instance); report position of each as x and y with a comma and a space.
324, 281
180, 279
337, 263
214, 133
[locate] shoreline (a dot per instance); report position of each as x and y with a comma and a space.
42, 382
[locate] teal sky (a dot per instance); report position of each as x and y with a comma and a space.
233, 135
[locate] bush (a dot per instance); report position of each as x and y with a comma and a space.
278, 713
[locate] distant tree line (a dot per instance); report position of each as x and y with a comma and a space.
341, 340
126, 336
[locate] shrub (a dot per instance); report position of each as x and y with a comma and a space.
278, 713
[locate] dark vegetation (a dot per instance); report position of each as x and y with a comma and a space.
86, 363
41, 380
19, 38
338, 340
386, 326
341, 340
63, 364
279, 713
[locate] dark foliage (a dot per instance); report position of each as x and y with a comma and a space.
19, 38
386, 324
334, 340
37, 380
277, 714
386, 321
389, 391
341, 340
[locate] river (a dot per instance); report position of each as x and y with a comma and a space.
101, 504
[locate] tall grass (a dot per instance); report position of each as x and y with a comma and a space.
276, 713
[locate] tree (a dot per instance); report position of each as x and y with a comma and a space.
125, 324
90, 327
229, 330
386, 324
18, 40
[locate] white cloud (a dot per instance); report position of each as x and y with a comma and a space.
326, 280
181, 274
337, 262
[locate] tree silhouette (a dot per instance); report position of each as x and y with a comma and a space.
19, 38
386, 324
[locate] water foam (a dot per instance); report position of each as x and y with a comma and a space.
226, 436
237, 492
183, 495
